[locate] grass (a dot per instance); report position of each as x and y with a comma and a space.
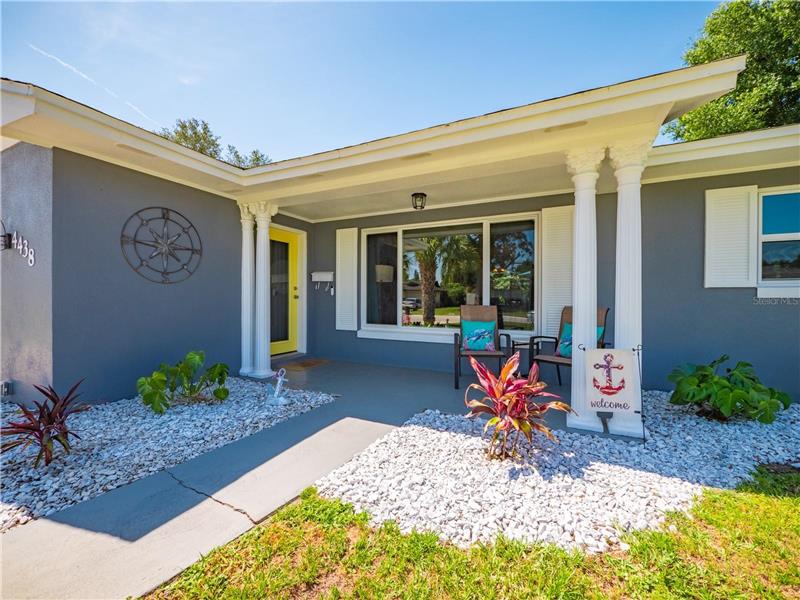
455, 311
442, 311
734, 544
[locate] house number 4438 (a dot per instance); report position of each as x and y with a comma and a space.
24, 249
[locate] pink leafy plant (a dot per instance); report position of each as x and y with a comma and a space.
511, 403
45, 424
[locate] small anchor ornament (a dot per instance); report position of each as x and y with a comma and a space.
609, 389
279, 396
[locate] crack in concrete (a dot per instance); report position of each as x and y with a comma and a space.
200, 492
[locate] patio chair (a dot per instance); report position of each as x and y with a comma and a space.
479, 313
553, 358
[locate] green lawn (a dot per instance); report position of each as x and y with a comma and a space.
442, 311
735, 544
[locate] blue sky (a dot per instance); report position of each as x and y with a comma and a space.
293, 79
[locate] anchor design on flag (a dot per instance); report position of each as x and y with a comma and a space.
609, 389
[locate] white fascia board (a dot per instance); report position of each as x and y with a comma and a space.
122, 132
739, 143
713, 79
17, 102
85, 119
707, 80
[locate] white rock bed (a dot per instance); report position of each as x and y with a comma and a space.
581, 493
124, 441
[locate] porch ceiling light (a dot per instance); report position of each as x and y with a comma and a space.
418, 200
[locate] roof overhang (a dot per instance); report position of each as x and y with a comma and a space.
510, 153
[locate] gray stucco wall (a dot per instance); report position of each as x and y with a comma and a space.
25, 291
686, 322
82, 312
683, 321
112, 325
326, 341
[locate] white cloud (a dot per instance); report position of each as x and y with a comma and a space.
141, 112
86, 77
66, 65
189, 79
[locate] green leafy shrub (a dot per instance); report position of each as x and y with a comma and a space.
170, 384
738, 392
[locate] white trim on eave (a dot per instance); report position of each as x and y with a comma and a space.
700, 81
602, 94
776, 138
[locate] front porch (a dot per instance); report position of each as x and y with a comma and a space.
530, 176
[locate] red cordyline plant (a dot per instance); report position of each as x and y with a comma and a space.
510, 403
44, 425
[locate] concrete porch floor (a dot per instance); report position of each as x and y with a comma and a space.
131, 539
393, 394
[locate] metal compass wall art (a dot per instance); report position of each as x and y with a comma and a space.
161, 245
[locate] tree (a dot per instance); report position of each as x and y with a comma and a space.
254, 159
197, 135
427, 259
767, 93
456, 254
194, 134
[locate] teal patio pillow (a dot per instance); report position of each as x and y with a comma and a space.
565, 343
478, 335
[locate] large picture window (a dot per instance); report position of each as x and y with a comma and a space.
780, 236
416, 278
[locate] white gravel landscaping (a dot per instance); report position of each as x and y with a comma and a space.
583, 492
125, 441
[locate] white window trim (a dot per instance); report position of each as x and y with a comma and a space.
444, 335
772, 288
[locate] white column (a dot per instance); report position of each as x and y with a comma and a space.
583, 165
248, 287
628, 161
264, 212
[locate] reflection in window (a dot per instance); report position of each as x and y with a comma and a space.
441, 271
512, 273
381, 279
780, 260
780, 236
781, 214
279, 291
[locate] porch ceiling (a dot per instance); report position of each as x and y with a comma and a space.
546, 174
492, 181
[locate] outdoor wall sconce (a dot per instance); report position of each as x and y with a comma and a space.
418, 200
5, 238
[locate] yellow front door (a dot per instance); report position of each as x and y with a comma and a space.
284, 292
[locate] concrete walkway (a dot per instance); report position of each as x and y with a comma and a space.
131, 539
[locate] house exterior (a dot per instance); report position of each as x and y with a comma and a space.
131, 250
